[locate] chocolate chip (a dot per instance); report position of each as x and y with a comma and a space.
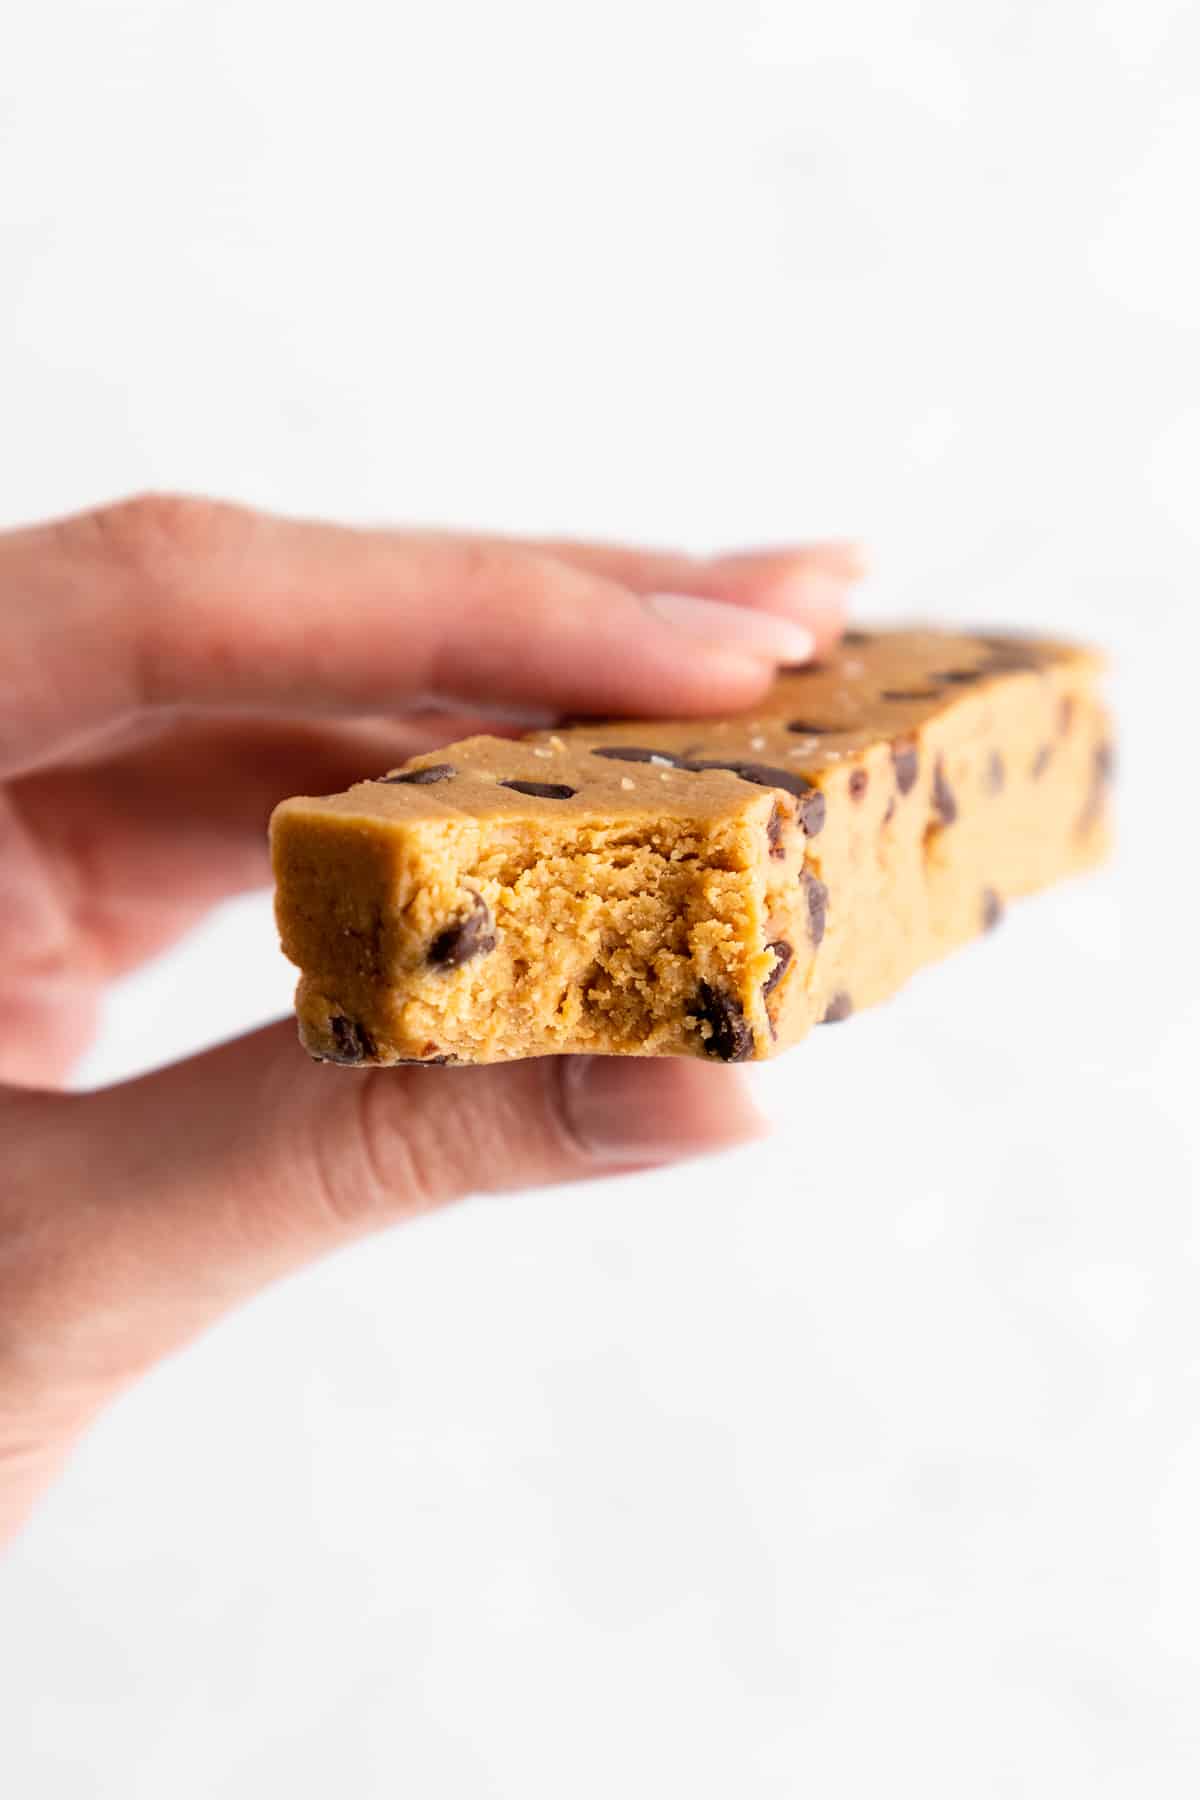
731, 1039
817, 896
805, 728
906, 763
1009, 656
761, 774
1041, 762
468, 937
945, 806
636, 753
910, 694
813, 668
423, 1062
858, 784
783, 956
775, 831
995, 773
352, 1042
810, 811
1002, 644
960, 677
541, 790
1103, 769
1066, 713
839, 1008
421, 777
856, 637
993, 909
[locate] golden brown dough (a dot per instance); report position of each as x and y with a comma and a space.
704, 888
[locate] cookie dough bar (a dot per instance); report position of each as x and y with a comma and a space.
694, 888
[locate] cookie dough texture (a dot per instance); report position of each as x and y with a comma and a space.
694, 888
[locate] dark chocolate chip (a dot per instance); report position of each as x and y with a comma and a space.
945, 805
813, 668
466, 938
352, 1042
957, 677
817, 896
731, 1039
1014, 665
423, 1062
1041, 762
421, 777
1010, 656
910, 694
775, 831
783, 956
1015, 647
993, 909
810, 811
1103, 769
1066, 713
806, 728
541, 790
858, 784
995, 773
839, 1008
761, 774
636, 753
856, 637
906, 763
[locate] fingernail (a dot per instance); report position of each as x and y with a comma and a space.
630, 1109
816, 593
737, 628
844, 559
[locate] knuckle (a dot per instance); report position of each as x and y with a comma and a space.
420, 1139
160, 551
560, 1112
493, 573
153, 536
385, 1166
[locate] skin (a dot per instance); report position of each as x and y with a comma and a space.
169, 668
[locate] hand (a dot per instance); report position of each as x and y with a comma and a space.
169, 668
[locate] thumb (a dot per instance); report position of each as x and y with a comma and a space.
135, 1216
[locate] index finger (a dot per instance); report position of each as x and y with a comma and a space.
175, 602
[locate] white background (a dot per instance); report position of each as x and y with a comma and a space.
867, 1462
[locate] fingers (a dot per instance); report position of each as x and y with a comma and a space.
167, 602
134, 1217
807, 581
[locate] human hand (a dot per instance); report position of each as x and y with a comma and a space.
169, 669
